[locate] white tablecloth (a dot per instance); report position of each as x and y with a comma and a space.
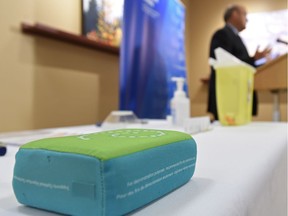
240, 171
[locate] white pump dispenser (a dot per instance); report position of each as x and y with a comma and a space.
180, 104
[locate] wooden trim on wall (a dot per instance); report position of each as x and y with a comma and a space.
56, 34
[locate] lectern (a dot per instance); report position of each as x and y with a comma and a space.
272, 76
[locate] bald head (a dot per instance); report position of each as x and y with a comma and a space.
236, 16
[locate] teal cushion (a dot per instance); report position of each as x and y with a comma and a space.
106, 173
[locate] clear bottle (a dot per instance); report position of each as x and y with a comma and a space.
180, 104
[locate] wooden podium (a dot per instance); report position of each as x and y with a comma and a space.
272, 76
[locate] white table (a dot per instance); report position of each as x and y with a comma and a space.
240, 171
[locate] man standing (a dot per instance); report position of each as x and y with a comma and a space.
228, 38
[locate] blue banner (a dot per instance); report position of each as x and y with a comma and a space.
152, 51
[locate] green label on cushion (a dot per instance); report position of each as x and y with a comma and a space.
110, 144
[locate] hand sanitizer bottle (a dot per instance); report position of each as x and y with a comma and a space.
180, 104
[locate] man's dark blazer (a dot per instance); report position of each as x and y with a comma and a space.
230, 41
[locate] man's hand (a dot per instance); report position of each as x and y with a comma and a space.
262, 54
